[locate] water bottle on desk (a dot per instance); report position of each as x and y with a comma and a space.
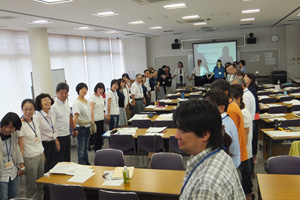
126, 175
182, 95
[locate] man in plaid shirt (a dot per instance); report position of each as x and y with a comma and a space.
210, 171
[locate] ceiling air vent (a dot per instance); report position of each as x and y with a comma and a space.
145, 2
8, 17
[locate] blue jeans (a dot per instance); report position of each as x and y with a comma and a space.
9, 189
114, 121
83, 145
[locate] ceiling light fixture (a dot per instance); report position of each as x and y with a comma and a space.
191, 17
50, 2
247, 19
200, 23
83, 28
136, 22
250, 11
112, 32
298, 15
175, 6
106, 14
40, 22
156, 27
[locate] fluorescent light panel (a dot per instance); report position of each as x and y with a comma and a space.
175, 6
247, 19
298, 15
156, 27
50, 2
191, 17
200, 23
106, 14
40, 22
136, 22
250, 11
83, 28
112, 32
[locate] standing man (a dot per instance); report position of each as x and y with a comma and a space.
147, 85
137, 95
242, 65
200, 74
210, 172
125, 76
64, 120
231, 72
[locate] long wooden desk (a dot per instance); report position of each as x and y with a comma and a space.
144, 181
288, 116
142, 131
278, 187
279, 104
274, 146
166, 109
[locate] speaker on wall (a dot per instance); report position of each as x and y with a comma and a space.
251, 39
176, 44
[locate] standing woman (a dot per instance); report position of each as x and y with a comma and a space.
168, 79
112, 105
97, 113
83, 120
48, 129
122, 117
219, 71
32, 150
161, 89
181, 76
11, 159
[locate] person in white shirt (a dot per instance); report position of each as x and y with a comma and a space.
97, 113
112, 105
200, 73
137, 95
83, 120
64, 120
48, 129
231, 71
181, 75
32, 150
147, 85
127, 104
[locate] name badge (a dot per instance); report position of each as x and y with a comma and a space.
220, 73
9, 165
37, 140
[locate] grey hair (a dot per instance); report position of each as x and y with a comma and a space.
239, 81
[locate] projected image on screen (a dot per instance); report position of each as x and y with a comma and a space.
209, 53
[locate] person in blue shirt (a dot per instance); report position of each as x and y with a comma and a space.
221, 100
219, 71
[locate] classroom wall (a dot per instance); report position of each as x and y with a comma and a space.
135, 58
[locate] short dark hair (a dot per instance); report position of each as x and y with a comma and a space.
237, 92
252, 77
200, 117
219, 61
13, 118
79, 86
27, 101
146, 70
180, 63
113, 82
125, 75
38, 100
138, 75
62, 86
243, 62
222, 85
99, 85
217, 96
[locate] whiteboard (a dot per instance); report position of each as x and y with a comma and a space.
263, 61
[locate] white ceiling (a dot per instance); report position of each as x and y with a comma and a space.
221, 15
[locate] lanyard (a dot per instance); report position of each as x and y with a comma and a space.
51, 125
246, 91
34, 130
199, 163
138, 86
116, 97
230, 101
225, 117
8, 152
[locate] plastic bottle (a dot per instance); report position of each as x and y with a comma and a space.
278, 82
126, 175
157, 103
182, 95
276, 124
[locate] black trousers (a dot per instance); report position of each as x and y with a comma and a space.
246, 179
65, 144
255, 137
50, 154
200, 80
98, 140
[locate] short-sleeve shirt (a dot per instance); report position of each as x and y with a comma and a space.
32, 138
114, 105
249, 101
137, 90
121, 99
83, 110
219, 72
62, 113
199, 71
248, 124
98, 107
48, 126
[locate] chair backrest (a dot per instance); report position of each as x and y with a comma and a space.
278, 109
20, 198
260, 88
268, 100
294, 122
284, 165
264, 93
171, 161
122, 142
295, 108
286, 99
109, 157
110, 195
150, 143
295, 90
143, 123
168, 123
62, 192
175, 96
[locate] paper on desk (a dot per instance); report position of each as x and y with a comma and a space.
295, 94
152, 134
151, 106
166, 100
62, 167
128, 131
165, 117
81, 177
293, 102
267, 115
113, 182
283, 134
263, 97
140, 116
278, 118
156, 129
118, 172
273, 105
